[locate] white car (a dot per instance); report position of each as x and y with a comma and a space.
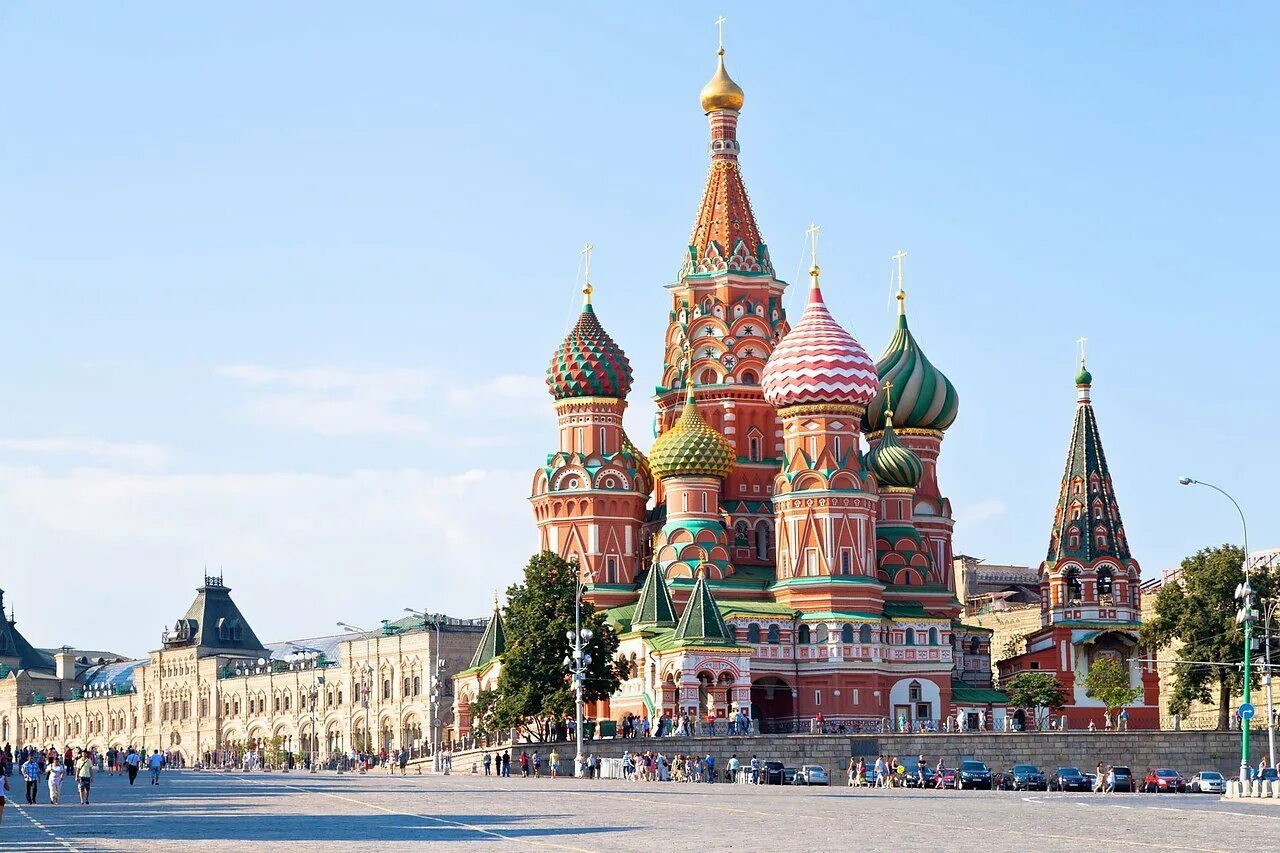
1207, 782
812, 774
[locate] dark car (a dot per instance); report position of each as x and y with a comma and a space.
788, 776
1027, 777
974, 774
913, 778
775, 773
1163, 780
1124, 780
1070, 779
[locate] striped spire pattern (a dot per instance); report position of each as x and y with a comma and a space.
819, 362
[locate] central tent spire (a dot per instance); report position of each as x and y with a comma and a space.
725, 235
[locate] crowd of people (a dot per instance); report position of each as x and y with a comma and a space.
55, 768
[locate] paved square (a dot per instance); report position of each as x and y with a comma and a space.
298, 811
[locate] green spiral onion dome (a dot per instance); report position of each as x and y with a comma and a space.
895, 465
923, 397
589, 363
691, 448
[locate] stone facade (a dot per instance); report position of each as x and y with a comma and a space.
213, 687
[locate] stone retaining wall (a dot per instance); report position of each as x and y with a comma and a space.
1187, 752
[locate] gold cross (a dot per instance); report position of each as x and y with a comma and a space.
888, 399
720, 27
812, 232
586, 270
899, 256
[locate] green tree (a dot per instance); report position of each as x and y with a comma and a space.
482, 710
1108, 682
1035, 690
1199, 613
534, 691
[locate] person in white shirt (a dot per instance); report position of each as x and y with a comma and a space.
57, 772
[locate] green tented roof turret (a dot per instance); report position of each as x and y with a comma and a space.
494, 641
654, 609
701, 623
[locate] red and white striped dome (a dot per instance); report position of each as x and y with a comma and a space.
819, 362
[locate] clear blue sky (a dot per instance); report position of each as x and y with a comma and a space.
280, 280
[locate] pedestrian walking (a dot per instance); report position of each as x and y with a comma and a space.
155, 764
4, 791
131, 761
30, 771
56, 773
84, 777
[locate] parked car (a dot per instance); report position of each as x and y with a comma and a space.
1207, 782
788, 776
1124, 780
1164, 780
774, 773
913, 778
1002, 781
1071, 779
974, 774
1027, 777
811, 774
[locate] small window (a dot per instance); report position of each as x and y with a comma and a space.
864, 634
774, 634
753, 633
846, 633
817, 697
1035, 664
755, 448
805, 637
913, 691
611, 569
846, 561
910, 637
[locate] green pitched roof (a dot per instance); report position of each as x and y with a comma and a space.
701, 623
654, 609
493, 643
965, 694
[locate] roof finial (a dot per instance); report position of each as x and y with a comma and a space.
586, 273
1082, 341
812, 232
888, 404
720, 29
902, 294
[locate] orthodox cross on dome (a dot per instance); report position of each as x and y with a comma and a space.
812, 233
720, 28
586, 271
1082, 341
888, 400
898, 258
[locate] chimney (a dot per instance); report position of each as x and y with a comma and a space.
65, 664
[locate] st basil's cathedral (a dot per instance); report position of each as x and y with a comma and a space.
759, 559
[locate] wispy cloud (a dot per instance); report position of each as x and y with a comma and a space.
394, 401
301, 550
140, 453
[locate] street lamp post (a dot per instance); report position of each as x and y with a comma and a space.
366, 683
577, 662
1245, 617
436, 665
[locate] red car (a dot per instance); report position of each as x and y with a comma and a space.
1162, 780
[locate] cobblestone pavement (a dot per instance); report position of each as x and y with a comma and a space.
298, 811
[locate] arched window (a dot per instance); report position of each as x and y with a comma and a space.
1105, 585
933, 637
846, 633
749, 377
864, 634
774, 634
821, 634
1074, 590
753, 633
741, 536
707, 377
754, 451
804, 635
974, 645
910, 637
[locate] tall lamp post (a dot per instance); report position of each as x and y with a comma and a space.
437, 662
366, 683
577, 662
1246, 617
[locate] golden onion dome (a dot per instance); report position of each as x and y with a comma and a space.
691, 448
721, 93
